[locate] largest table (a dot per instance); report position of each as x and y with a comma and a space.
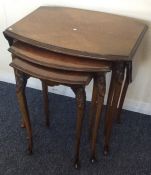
87, 35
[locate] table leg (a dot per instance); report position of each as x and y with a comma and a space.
21, 81
46, 102
80, 98
113, 98
123, 94
116, 99
93, 105
101, 86
108, 119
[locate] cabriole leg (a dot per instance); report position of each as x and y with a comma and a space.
80, 99
101, 87
109, 108
21, 80
92, 112
114, 94
123, 94
46, 102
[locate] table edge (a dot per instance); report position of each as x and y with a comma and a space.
66, 51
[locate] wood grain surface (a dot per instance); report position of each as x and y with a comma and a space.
59, 61
54, 75
80, 32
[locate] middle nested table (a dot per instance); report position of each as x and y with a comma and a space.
53, 69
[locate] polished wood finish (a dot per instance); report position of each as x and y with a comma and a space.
80, 99
45, 101
29, 53
25, 69
96, 107
54, 75
21, 80
73, 38
123, 94
112, 103
93, 105
55, 60
81, 33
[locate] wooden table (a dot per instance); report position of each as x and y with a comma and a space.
87, 35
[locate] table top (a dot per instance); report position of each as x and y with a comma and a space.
53, 75
82, 33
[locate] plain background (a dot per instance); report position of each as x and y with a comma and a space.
139, 93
